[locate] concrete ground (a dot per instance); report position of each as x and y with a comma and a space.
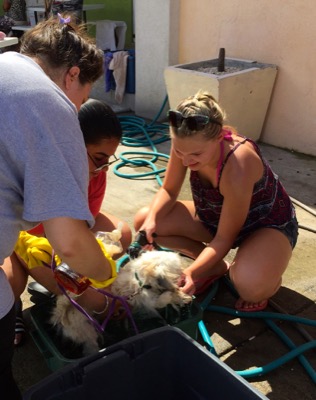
242, 343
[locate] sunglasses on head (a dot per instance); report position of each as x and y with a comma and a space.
195, 122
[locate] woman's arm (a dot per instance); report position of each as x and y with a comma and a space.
76, 245
237, 182
167, 195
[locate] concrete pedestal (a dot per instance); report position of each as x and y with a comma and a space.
244, 94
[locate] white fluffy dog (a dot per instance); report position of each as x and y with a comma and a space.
74, 325
148, 283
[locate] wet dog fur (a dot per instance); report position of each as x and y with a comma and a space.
148, 283
72, 324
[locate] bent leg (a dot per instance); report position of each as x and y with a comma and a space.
16, 274
257, 269
182, 231
179, 230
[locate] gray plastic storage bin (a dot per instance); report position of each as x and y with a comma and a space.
164, 363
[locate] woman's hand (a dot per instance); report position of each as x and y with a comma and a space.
186, 283
149, 228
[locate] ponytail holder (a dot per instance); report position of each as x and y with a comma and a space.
63, 20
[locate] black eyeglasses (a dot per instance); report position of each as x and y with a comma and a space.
195, 122
102, 166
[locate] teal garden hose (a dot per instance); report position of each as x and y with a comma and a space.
137, 133
268, 317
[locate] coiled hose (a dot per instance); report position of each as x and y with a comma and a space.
268, 317
137, 133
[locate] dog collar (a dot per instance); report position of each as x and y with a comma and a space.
141, 283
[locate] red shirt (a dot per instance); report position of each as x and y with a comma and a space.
96, 191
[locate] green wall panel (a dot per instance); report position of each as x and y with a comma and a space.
117, 10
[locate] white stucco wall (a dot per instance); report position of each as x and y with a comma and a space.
155, 48
170, 32
277, 32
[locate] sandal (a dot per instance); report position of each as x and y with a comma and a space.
20, 332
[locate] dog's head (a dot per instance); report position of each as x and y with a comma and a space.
151, 281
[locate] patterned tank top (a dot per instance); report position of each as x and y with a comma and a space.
270, 204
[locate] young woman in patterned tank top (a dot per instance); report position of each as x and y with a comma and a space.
238, 201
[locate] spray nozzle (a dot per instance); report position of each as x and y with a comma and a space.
136, 247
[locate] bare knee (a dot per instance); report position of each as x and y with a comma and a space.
254, 289
140, 217
259, 265
126, 238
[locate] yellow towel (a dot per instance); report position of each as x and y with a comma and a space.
36, 252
